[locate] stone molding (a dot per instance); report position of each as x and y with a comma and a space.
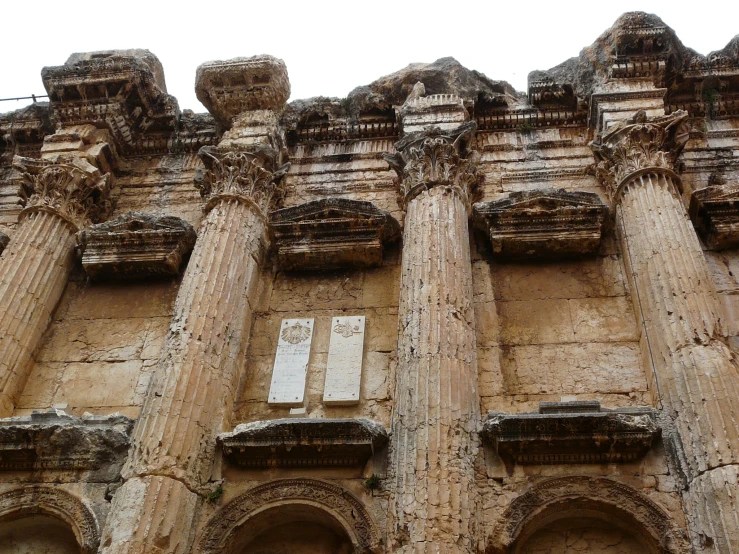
221, 529
75, 191
4, 240
303, 442
332, 233
136, 245
250, 177
555, 498
435, 157
564, 433
58, 503
545, 222
59, 442
639, 145
715, 214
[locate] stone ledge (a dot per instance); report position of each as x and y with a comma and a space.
303, 442
543, 223
715, 214
57, 441
572, 433
332, 233
136, 245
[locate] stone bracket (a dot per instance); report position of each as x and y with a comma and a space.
136, 245
303, 442
572, 433
332, 233
715, 214
547, 222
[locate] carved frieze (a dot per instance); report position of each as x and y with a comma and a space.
572, 433
75, 191
436, 157
637, 144
136, 245
55, 441
4, 240
332, 233
545, 223
303, 443
715, 214
249, 176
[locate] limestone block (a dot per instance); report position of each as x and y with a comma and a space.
340, 290
114, 301
487, 324
608, 319
535, 322
381, 287
99, 384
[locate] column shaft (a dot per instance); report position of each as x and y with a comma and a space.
435, 424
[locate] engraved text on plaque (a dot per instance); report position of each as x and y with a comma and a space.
291, 362
344, 368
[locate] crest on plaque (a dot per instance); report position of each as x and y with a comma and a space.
295, 333
345, 329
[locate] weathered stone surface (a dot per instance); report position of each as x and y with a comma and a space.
136, 245
715, 214
543, 223
4, 240
332, 233
303, 442
572, 432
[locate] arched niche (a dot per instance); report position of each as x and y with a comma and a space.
63, 515
291, 510
553, 505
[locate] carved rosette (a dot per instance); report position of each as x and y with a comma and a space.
435, 157
638, 146
246, 176
78, 196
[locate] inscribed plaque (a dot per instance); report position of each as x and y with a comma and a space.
344, 368
291, 363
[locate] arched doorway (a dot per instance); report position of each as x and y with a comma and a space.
37, 534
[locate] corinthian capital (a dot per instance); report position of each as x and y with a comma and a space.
432, 157
75, 190
639, 144
250, 177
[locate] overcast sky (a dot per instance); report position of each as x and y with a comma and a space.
330, 47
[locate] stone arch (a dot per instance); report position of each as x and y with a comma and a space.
221, 530
55, 502
558, 498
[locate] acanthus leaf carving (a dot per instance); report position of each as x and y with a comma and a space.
436, 157
75, 191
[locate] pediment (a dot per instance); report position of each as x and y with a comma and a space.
142, 221
329, 209
542, 200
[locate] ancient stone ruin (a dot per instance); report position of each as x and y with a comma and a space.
436, 316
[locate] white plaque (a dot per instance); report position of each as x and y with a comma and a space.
291, 363
344, 367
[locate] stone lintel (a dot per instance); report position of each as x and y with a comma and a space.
572, 433
231, 87
122, 90
332, 233
4, 240
136, 245
548, 222
55, 441
303, 442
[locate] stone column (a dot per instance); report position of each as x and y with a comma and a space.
435, 422
191, 395
695, 371
60, 198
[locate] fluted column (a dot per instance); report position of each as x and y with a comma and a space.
435, 422
695, 371
60, 198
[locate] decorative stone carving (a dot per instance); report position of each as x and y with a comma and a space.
715, 214
332, 233
22, 131
545, 223
550, 498
57, 441
75, 191
639, 144
432, 157
250, 177
230, 88
221, 530
136, 245
58, 503
303, 442
4, 240
572, 433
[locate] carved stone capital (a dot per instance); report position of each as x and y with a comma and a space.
75, 190
251, 177
434, 157
638, 144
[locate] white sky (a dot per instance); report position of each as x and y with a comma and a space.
330, 47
